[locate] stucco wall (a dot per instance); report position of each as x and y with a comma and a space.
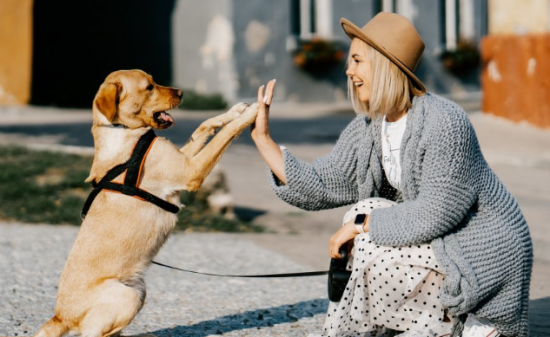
259, 32
234, 46
15, 51
203, 46
518, 16
269, 22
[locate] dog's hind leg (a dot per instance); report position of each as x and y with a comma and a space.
54, 328
208, 128
115, 307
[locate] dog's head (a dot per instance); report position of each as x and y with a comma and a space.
133, 99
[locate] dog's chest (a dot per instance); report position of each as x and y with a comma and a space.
113, 144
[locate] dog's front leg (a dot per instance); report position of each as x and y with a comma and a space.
208, 128
204, 161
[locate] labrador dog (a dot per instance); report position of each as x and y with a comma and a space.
102, 286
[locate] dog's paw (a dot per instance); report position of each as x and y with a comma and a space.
238, 109
212, 126
250, 113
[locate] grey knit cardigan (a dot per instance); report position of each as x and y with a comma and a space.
450, 197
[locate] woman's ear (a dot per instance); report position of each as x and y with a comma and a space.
106, 100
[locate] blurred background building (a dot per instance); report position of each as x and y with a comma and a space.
57, 52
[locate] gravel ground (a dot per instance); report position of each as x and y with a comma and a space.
178, 304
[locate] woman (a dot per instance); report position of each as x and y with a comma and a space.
418, 150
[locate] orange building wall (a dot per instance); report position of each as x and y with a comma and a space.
516, 77
15, 51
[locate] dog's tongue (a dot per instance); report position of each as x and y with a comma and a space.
166, 117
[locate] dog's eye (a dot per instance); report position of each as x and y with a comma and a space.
150, 87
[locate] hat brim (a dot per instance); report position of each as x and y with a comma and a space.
353, 31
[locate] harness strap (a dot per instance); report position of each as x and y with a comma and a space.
133, 168
136, 161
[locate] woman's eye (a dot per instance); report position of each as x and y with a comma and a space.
150, 87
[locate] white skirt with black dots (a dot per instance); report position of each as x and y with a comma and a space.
390, 287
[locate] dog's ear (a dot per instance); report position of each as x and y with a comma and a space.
106, 100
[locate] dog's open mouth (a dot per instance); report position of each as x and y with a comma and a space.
163, 118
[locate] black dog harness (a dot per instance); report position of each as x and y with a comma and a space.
130, 187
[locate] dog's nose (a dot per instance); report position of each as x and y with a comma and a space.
179, 93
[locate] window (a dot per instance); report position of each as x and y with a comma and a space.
309, 18
458, 24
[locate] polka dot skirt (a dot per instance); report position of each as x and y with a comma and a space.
390, 287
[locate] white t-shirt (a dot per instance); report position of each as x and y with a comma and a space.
392, 135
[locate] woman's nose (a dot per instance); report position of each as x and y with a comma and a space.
350, 71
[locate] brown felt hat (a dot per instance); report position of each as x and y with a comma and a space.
393, 36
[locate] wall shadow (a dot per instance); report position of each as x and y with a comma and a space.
539, 317
260, 318
78, 43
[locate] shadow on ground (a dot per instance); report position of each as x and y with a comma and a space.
255, 319
539, 317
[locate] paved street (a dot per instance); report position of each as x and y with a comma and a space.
188, 305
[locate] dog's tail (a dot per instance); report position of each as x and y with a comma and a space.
54, 328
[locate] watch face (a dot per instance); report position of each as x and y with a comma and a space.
360, 219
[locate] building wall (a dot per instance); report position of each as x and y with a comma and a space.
265, 48
262, 49
76, 44
516, 58
518, 16
15, 51
237, 45
203, 47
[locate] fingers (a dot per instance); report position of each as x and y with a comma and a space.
268, 97
261, 95
334, 248
342, 236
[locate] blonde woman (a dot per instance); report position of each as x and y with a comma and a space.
454, 254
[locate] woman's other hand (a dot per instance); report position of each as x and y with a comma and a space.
259, 132
344, 235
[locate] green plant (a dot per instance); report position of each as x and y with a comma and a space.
462, 60
195, 101
42, 187
317, 56
49, 187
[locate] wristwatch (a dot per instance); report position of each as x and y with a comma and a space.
359, 222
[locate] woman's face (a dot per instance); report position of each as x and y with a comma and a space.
359, 70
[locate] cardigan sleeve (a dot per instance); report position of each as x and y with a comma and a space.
446, 191
329, 181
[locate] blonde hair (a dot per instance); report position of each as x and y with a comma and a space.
392, 90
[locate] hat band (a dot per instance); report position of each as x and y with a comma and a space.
398, 60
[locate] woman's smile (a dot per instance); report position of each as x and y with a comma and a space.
359, 70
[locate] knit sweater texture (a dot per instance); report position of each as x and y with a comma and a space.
450, 198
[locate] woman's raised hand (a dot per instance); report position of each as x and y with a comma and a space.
260, 128
260, 133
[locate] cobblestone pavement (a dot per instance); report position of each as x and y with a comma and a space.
177, 304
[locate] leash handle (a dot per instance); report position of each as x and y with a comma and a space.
303, 274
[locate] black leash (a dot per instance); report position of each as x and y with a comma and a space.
304, 274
